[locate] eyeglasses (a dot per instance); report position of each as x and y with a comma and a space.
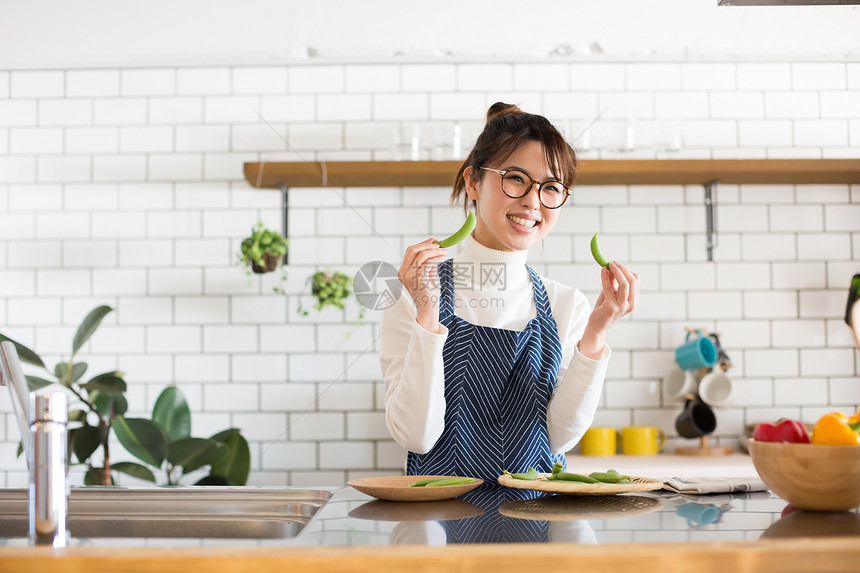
515, 184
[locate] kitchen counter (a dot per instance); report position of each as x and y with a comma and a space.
500, 529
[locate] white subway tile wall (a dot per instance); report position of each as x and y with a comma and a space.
125, 187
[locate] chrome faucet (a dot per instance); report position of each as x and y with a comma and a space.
42, 421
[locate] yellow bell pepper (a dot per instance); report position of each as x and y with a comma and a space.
837, 429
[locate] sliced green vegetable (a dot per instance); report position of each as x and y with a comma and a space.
451, 481
531, 474
423, 482
566, 476
436, 482
461, 233
611, 476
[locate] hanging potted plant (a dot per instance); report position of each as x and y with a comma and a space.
330, 288
263, 249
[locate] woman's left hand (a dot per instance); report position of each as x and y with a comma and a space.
617, 299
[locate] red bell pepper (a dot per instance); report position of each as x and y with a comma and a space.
784, 430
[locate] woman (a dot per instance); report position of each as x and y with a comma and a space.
488, 366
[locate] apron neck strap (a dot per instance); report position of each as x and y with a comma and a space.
446, 286
541, 300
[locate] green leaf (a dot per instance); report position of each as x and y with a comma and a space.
86, 440
192, 453
236, 465
24, 353
108, 383
77, 415
134, 470
214, 479
71, 438
78, 370
110, 405
36, 383
172, 413
89, 326
144, 439
93, 476
61, 371
20, 450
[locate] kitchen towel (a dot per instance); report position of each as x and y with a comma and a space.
699, 485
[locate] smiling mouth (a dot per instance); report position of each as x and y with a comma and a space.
523, 222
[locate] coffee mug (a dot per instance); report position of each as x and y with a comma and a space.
715, 388
642, 440
698, 515
696, 420
599, 442
678, 383
697, 353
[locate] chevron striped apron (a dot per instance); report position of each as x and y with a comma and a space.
498, 384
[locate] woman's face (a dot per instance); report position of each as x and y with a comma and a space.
507, 224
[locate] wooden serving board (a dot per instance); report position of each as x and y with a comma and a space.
397, 488
541, 484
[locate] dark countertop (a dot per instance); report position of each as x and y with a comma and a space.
493, 514
494, 528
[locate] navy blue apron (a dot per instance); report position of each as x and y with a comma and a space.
498, 384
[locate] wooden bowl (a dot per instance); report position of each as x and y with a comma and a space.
810, 476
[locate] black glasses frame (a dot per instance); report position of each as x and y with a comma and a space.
540, 185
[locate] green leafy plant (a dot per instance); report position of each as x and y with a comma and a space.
263, 249
329, 289
162, 443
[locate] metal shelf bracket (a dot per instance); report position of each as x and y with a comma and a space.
711, 217
285, 219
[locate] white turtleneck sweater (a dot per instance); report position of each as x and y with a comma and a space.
411, 356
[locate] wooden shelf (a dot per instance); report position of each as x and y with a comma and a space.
265, 175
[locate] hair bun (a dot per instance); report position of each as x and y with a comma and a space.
500, 109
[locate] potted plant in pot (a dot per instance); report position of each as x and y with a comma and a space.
329, 288
162, 442
263, 249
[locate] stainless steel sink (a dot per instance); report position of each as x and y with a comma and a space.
186, 512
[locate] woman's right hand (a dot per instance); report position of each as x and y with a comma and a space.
418, 275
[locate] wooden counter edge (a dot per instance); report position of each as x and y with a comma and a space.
796, 554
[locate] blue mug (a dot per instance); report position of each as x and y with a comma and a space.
698, 515
697, 353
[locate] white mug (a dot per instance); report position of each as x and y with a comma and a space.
678, 383
715, 388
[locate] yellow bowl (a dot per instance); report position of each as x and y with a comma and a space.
810, 476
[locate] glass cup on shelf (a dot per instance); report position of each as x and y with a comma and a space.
447, 142
667, 136
407, 143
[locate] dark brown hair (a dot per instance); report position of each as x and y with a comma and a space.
507, 128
